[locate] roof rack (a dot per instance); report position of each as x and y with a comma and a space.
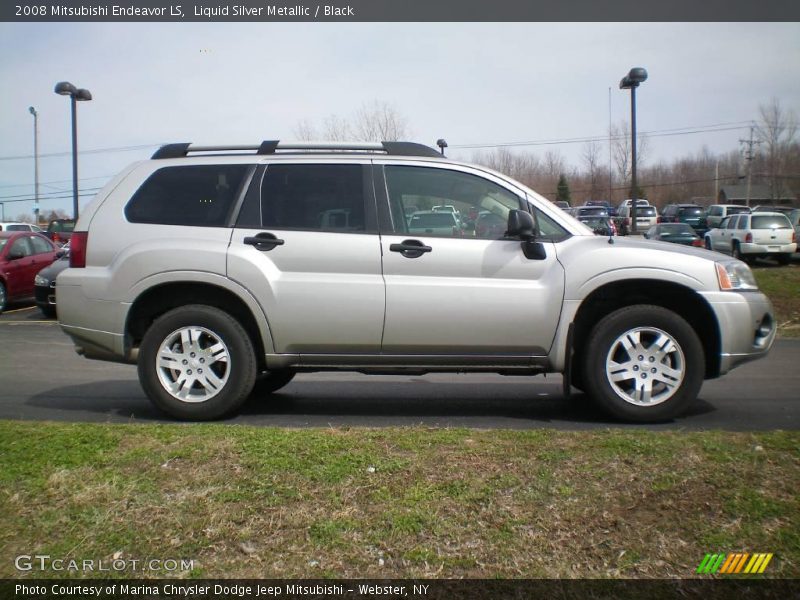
272, 146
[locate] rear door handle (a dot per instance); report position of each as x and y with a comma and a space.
410, 248
263, 241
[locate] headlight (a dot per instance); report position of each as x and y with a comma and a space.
39, 280
735, 276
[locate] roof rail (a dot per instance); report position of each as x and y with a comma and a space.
272, 146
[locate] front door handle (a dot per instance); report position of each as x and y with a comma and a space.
263, 241
410, 248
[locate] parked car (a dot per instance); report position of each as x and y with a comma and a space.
794, 219
757, 235
646, 217
691, 214
627, 202
45, 284
562, 204
207, 296
600, 225
589, 211
676, 233
13, 226
434, 222
716, 212
612, 210
766, 208
22, 255
60, 230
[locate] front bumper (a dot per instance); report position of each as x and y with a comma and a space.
746, 324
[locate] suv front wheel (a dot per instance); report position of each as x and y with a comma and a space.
196, 362
644, 363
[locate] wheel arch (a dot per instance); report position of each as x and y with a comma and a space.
165, 296
678, 298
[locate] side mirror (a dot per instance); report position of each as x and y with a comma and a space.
520, 224
60, 254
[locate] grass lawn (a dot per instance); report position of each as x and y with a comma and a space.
782, 285
398, 502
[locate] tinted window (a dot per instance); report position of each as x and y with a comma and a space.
645, 211
321, 197
691, 212
198, 195
18, 228
732, 223
40, 245
742, 222
770, 222
735, 210
715, 211
21, 246
481, 206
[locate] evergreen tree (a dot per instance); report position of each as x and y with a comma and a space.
562, 191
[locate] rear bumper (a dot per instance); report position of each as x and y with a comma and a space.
768, 249
746, 324
95, 326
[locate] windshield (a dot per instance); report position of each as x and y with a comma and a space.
735, 210
770, 222
645, 211
691, 212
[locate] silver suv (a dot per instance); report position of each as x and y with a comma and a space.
221, 269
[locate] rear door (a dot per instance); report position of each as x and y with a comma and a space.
306, 246
469, 291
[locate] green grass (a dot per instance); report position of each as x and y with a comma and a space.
782, 285
397, 502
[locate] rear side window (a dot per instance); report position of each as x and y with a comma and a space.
313, 197
645, 211
199, 195
770, 222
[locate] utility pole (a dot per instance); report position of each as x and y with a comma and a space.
749, 155
35, 114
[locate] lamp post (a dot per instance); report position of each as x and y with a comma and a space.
442, 143
630, 82
65, 88
35, 114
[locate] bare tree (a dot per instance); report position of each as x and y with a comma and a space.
378, 122
591, 160
776, 129
24, 218
621, 150
375, 122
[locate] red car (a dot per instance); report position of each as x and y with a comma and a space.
22, 255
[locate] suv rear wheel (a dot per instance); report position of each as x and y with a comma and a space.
197, 363
644, 363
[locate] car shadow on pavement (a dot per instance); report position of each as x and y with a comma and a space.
310, 404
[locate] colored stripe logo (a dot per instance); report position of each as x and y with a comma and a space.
737, 562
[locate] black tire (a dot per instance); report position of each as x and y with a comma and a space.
3, 297
650, 321
236, 374
784, 259
708, 244
48, 311
271, 382
736, 251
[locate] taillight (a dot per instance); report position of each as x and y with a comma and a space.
794, 237
659, 220
748, 238
77, 249
697, 243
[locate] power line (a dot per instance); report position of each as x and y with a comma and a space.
94, 151
600, 138
32, 199
59, 181
49, 194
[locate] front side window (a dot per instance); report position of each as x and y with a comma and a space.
313, 197
439, 202
40, 245
199, 195
21, 247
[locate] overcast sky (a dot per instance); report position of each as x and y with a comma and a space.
470, 83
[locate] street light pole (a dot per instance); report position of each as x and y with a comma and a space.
630, 82
442, 143
35, 114
65, 88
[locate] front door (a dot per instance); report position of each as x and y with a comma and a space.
468, 290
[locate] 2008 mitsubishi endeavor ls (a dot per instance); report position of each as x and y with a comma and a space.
217, 269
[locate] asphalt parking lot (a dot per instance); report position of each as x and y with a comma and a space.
41, 378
